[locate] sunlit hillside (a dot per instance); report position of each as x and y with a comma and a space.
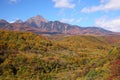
27, 56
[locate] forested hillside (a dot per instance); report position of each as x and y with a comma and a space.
27, 56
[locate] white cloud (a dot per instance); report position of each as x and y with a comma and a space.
64, 4
110, 24
65, 20
105, 5
71, 20
79, 20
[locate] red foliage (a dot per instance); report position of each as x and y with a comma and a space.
115, 70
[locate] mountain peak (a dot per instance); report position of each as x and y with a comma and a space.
36, 20
38, 16
3, 22
19, 21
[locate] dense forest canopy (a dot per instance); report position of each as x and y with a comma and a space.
28, 56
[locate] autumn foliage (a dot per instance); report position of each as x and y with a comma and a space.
28, 56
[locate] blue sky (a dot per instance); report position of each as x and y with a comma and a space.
100, 13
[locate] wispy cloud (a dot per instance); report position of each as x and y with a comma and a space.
79, 20
70, 20
14, 1
13, 20
110, 24
64, 4
66, 20
105, 5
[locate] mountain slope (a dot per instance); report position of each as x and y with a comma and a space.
85, 43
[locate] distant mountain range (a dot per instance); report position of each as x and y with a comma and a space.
40, 25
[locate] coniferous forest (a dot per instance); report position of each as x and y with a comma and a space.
29, 56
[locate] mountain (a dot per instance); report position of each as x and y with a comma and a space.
58, 28
96, 31
36, 21
3, 22
40, 25
17, 26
